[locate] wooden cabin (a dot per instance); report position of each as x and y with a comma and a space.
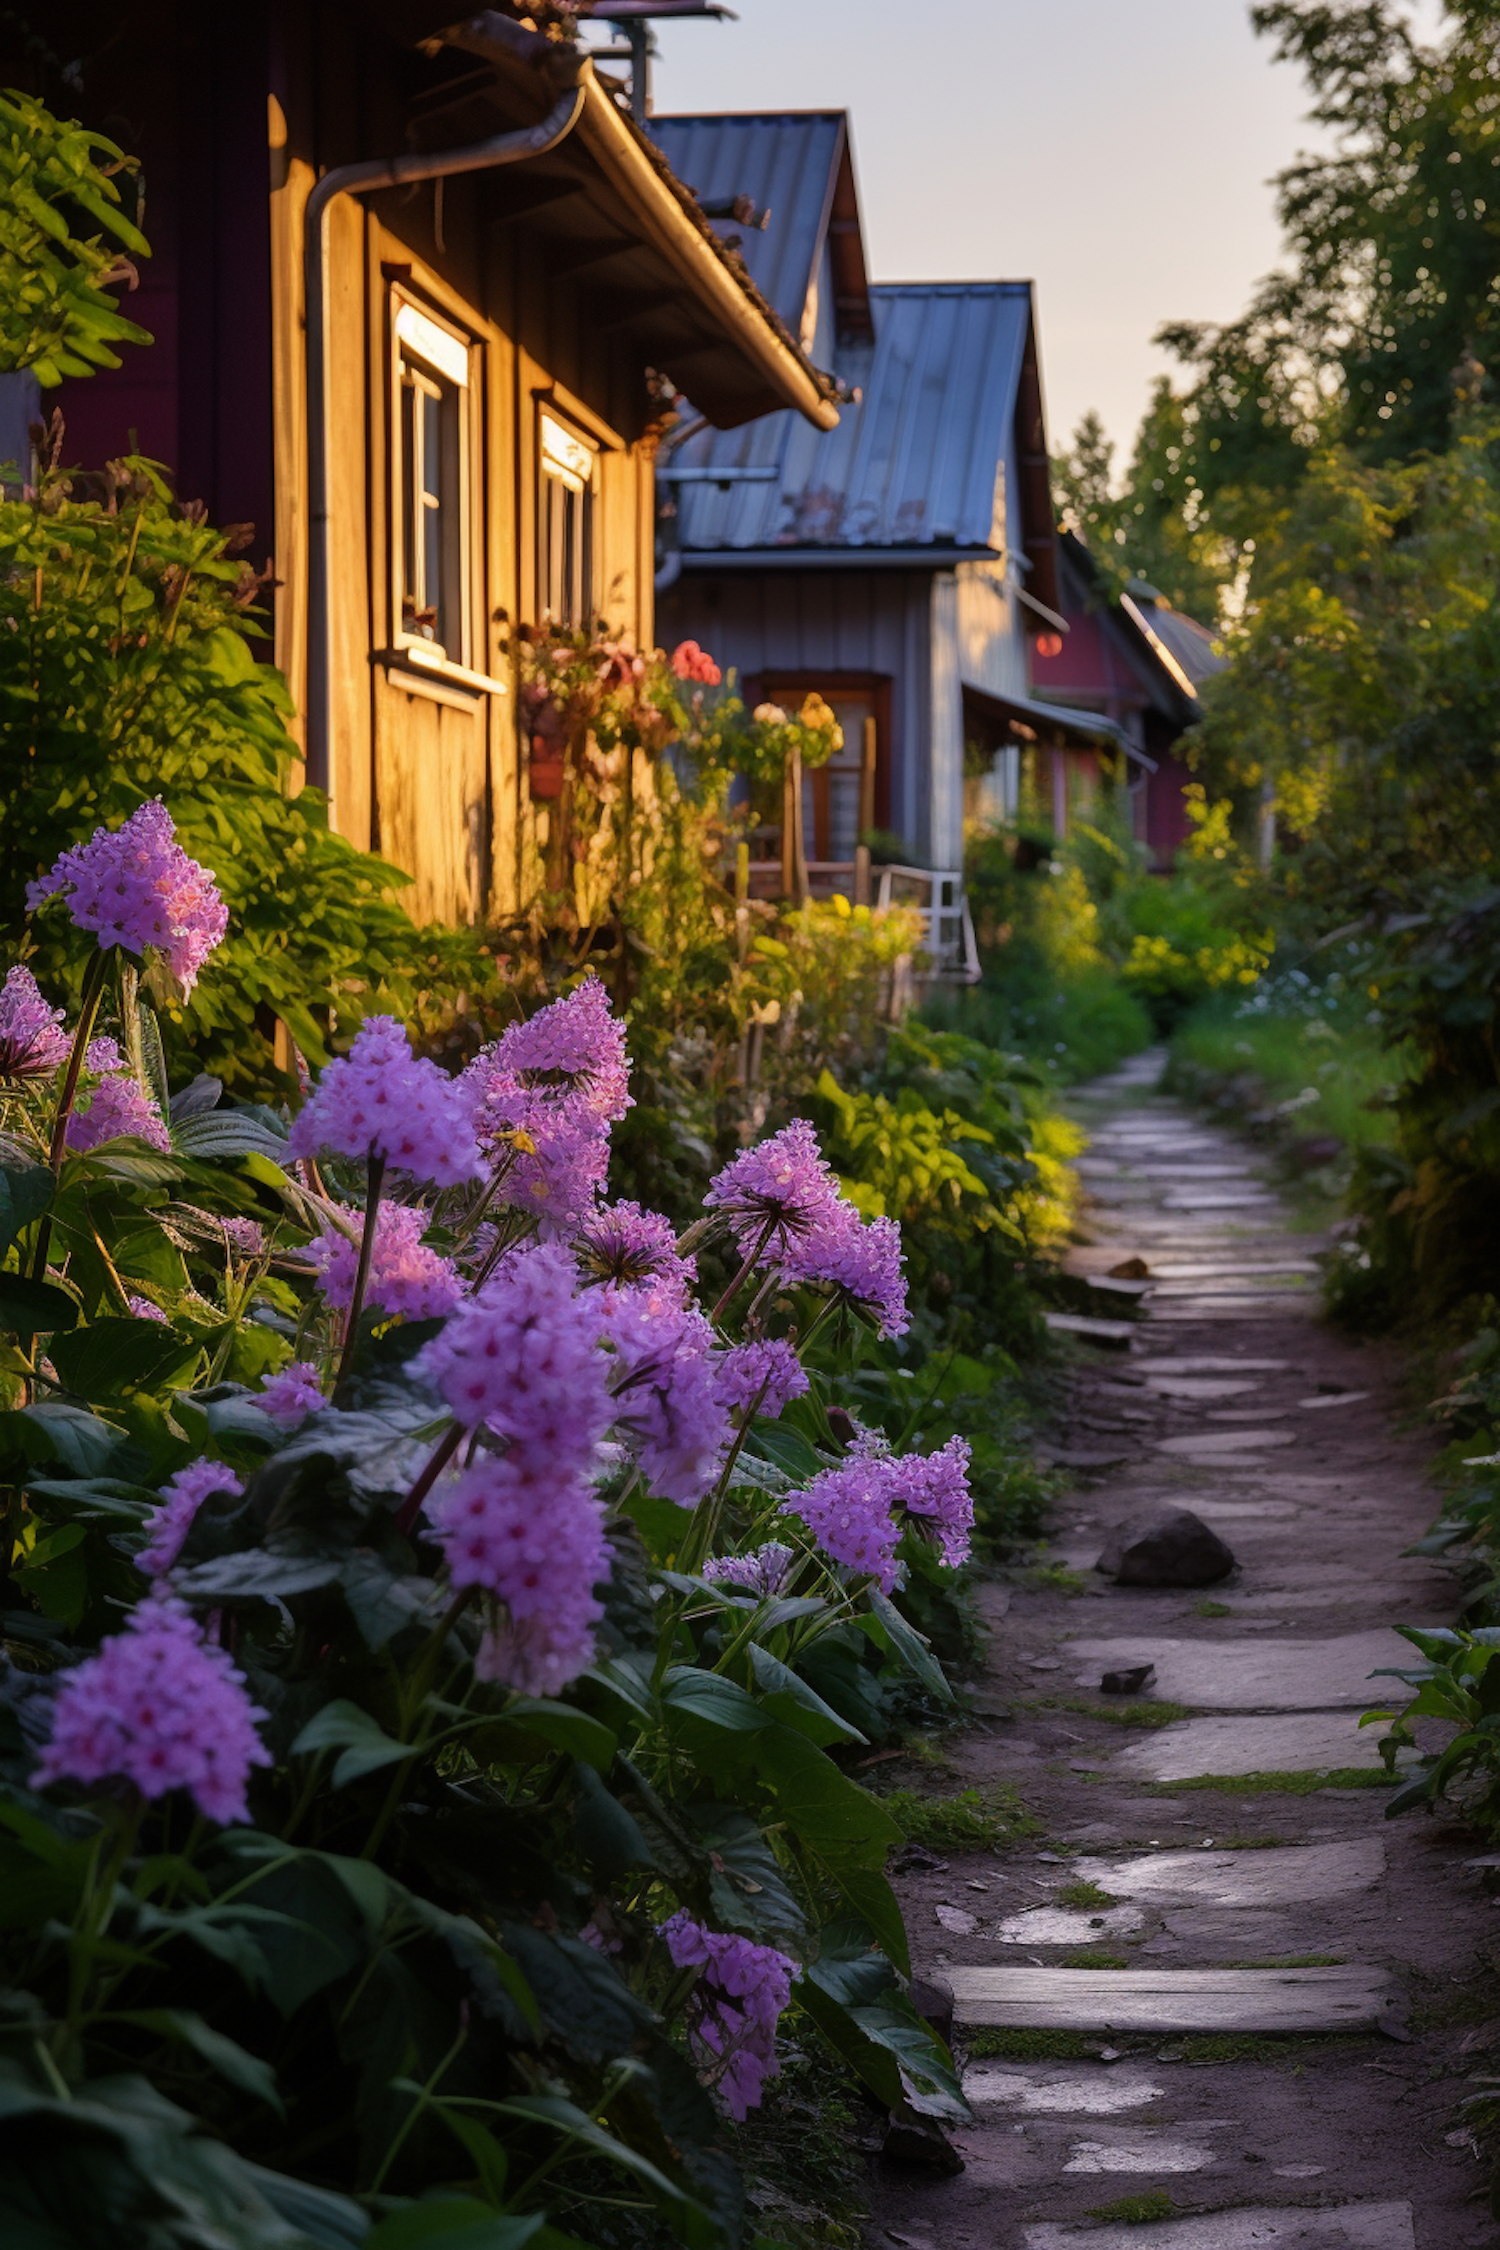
900, 565
422, 299
1133, 660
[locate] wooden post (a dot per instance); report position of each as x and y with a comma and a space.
861, 874
867, 779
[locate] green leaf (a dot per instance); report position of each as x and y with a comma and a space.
853, 1996
714, 1701
454, 2222
791, 1700
25, 1193
232, 2061
909, 1645
51, 1431
32, 1308
839, 1820
610, 1840
258, 1574
111, 1356
527, 1730
364, 1745
217, 1137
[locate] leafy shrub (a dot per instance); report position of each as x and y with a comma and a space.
437, 1958
57, 317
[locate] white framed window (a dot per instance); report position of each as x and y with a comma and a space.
565, 521
430, 482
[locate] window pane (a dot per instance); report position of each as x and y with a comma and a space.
407, 496
432, 445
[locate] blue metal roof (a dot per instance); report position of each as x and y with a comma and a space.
911, 466
787, 164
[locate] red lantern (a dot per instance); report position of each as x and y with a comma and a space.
1049, 644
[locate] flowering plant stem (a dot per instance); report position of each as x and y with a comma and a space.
93, 991
743, 1275
376, 1174
442, 1453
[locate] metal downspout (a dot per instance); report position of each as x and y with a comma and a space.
353, 179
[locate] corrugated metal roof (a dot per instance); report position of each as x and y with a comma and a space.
912, 465
1190, 643
785, 163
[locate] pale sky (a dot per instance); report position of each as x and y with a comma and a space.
1116, 152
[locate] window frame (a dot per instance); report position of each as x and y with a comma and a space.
442, 358
565, 454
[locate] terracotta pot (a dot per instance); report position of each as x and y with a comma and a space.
547, 773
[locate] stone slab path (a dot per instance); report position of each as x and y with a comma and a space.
1213, 1972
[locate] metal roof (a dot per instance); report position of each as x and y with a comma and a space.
786, 164
912, 464
1189, 644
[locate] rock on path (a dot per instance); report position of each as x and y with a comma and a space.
1284, 1983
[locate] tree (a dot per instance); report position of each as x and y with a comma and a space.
57, 317
1156, 527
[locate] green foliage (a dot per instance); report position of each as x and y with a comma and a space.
1152, 526
57, 317
1458, 1683
1086, 1896
1302, 1055
128, 671
1136, 2210
972, 1820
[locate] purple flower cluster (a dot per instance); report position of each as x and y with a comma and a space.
135, 886
763, 1573
667, 1399
543, 1099
858, 1511
776, 1192
292, 1393
33, 1043
160, 1707
382, 1100
762, 1377
624, 1247
933, 1490
181, 1498
406, 1278
737, 2002
848, 1510
523, 1359
117, 1107
533, 1541
143, 1309
244, 1237
862, 1263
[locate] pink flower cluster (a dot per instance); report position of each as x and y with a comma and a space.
762, 1573
160, 1707
776, 1192
117, 1108
560, 1080
382, 1100
764, 1377
690, 662
858, 1511
535, 1543
667, 1398
33, 1043
406, 1278
623, 1247
860, 1262
292, 1393
135, 887
736, 2005
521, 1362
181, 1498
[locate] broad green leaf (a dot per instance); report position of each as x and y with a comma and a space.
363, 1744
232, 2061
837, 1819
536, 1726
111, 1356
791, 1700
51, 1431
853, 1996
34, 1308
454, 2222
258, 1574
712, 1700
909, 1645
25, 1193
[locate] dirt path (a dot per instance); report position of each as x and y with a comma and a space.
1279, 2046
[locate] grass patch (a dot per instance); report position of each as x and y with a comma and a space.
1086, 1896
1282, 1784
1295, 1961
1097, 1961
1212, 1609
1317, 1056
1056, 1578
973, 1820
1136, 2210
1147, 1714
1032, 2046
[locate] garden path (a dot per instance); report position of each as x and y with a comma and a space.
1265, 2009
